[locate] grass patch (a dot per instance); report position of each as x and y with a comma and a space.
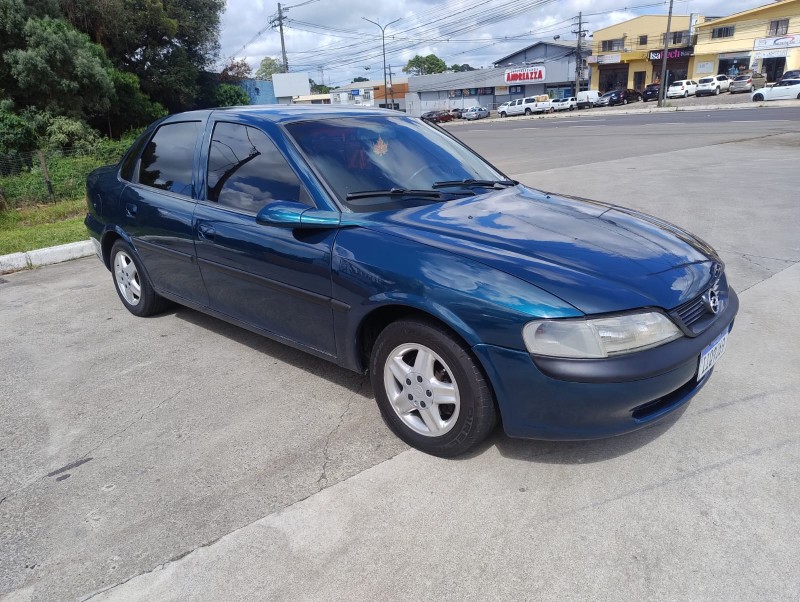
41, 226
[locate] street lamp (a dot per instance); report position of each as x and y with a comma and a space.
383, 45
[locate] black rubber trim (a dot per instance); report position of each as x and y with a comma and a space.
140, 243
641, 365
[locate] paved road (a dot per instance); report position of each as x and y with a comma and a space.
178, 458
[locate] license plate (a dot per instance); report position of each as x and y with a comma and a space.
710, 355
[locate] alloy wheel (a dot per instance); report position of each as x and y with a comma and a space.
127, 277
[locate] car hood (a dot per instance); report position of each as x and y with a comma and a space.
595, 256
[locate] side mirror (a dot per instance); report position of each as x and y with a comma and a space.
290, 214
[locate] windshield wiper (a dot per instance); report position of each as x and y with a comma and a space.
496, 184
425, 194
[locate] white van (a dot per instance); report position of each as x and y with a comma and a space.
588, 99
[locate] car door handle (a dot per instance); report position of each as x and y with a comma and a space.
206, 232
131, 209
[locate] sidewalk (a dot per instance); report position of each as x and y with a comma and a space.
40, 257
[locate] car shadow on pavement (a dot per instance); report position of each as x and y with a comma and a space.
357, 383
575, 452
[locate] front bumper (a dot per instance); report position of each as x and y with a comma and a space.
591, 399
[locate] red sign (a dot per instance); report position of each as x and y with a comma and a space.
525, 74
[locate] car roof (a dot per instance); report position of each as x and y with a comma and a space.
284, 113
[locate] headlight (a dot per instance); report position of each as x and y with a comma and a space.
599, 337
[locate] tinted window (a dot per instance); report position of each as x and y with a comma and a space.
246, 171
706, 80
129, 163
168, 158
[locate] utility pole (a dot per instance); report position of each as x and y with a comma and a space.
579, 53
279, 21
662, 90
383, 45
391, 85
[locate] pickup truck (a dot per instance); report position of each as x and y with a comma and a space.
543, 104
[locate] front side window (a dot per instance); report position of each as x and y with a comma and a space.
168, 159
246, 171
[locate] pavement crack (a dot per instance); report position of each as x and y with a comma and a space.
322, 481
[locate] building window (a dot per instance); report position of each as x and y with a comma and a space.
367, 94
642, 40
723, 32
613, 45
516, 89
677, 37
779, 27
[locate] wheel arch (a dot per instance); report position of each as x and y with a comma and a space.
373, 323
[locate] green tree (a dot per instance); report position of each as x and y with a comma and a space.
130, 108
269, 67
229, 95
463, 67
425, 65
167, 44
318, 88
59, 70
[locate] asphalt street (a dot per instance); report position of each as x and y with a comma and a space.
180, 458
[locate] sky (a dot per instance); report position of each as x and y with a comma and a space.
332, 41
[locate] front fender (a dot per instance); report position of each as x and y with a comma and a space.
482, 304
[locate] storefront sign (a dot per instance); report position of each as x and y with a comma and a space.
771, 54
605, 59
675, 53
500, 90
526, 74
704, 67
781, 42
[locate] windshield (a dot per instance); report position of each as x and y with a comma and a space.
608, 94
391, 154
678, 83
741, 78
707, 80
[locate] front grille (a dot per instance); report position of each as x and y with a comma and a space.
691, 312
694, 317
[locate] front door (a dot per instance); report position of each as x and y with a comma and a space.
274, 279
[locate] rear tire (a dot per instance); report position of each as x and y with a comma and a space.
686, 94
716, 91
760, 98
527, 111
429, 388
131, 282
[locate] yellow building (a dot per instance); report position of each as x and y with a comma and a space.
764, 39
629, 54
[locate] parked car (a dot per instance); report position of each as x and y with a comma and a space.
793, 74
433, 116
565, 104
543, 104
503, 108
619, 97
713, 85
651, 92
456, 113
587, 99
475, 113
373, 240
521, 106
748, 82
682, 87
786, 89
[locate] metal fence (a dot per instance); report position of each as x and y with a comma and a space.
48, 176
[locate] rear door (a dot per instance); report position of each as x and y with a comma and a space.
156, 210
274, 279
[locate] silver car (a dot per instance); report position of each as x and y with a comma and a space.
475, 113
748, 82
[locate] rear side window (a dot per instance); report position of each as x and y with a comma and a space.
168, 158
129, 162
246, 170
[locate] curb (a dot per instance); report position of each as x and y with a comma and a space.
40, 257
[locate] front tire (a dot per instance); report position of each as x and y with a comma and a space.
430, 389
131, 283
760, 98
